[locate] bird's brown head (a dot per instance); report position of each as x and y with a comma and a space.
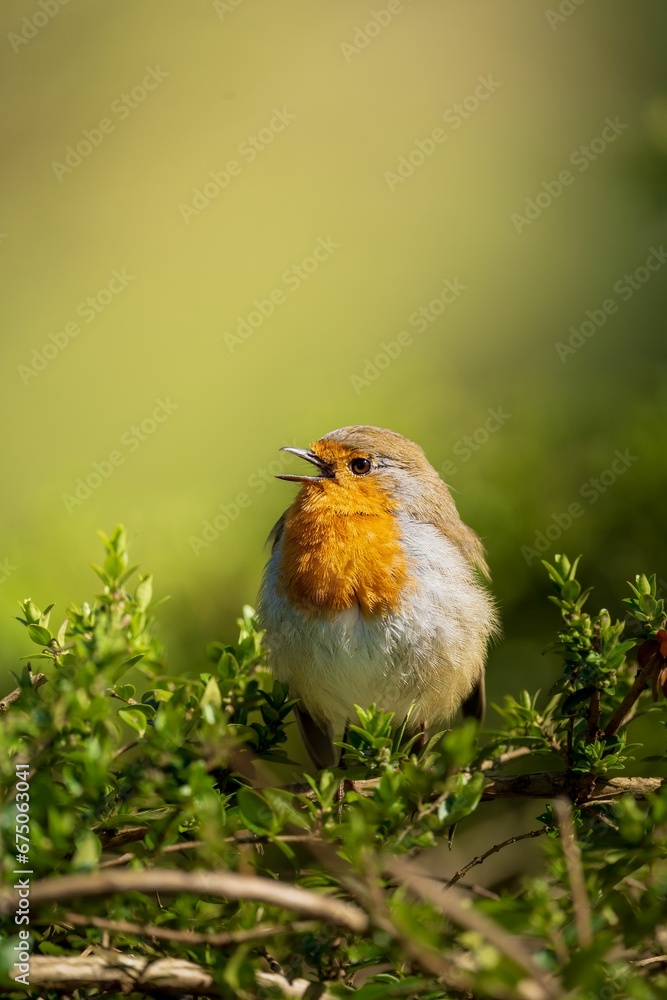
372, 471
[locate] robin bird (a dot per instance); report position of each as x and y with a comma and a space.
371, 594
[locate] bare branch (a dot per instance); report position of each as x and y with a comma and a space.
494, 850
504, 758
538, 785
575, 871
35, 679
220, 940
194, 845
641, 681
451, 905
550, 784
228, 885
653, 960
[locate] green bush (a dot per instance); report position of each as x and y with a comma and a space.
158, 841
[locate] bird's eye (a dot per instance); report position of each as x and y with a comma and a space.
360, 466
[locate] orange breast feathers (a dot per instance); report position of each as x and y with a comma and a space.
341, 548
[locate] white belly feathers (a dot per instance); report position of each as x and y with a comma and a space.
424, 652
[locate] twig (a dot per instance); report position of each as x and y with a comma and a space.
452, 906
653, 960
194, 845
228, 885
128, 701
364, 886
431, 961
504, 758
111, 839
127, 746
550, 784
480, 890
575, 871
494, 850
641, 681
222, 939
540, 785
35, 679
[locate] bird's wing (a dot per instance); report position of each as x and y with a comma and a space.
318, 741
475, 704
276, 531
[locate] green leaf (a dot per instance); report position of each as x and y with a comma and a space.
100, 572
62, 633
144, 592
254, 811
125, 691
211, 695
113, 567
40, 635
88, 850
134, 717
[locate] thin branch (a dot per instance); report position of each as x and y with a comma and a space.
641, 681
430, 960
494, 850
35, 679
114, 694
227, 885
550, 784
364, 886
122, 859
220, 940
127, 746
653, 960
538, 785
194, 845
575, 871
111, 839
480, 890
504, 758
451, 905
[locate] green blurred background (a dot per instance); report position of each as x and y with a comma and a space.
338, 99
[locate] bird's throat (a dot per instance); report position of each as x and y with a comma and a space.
333, 559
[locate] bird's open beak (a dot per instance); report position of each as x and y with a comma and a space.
309, 456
